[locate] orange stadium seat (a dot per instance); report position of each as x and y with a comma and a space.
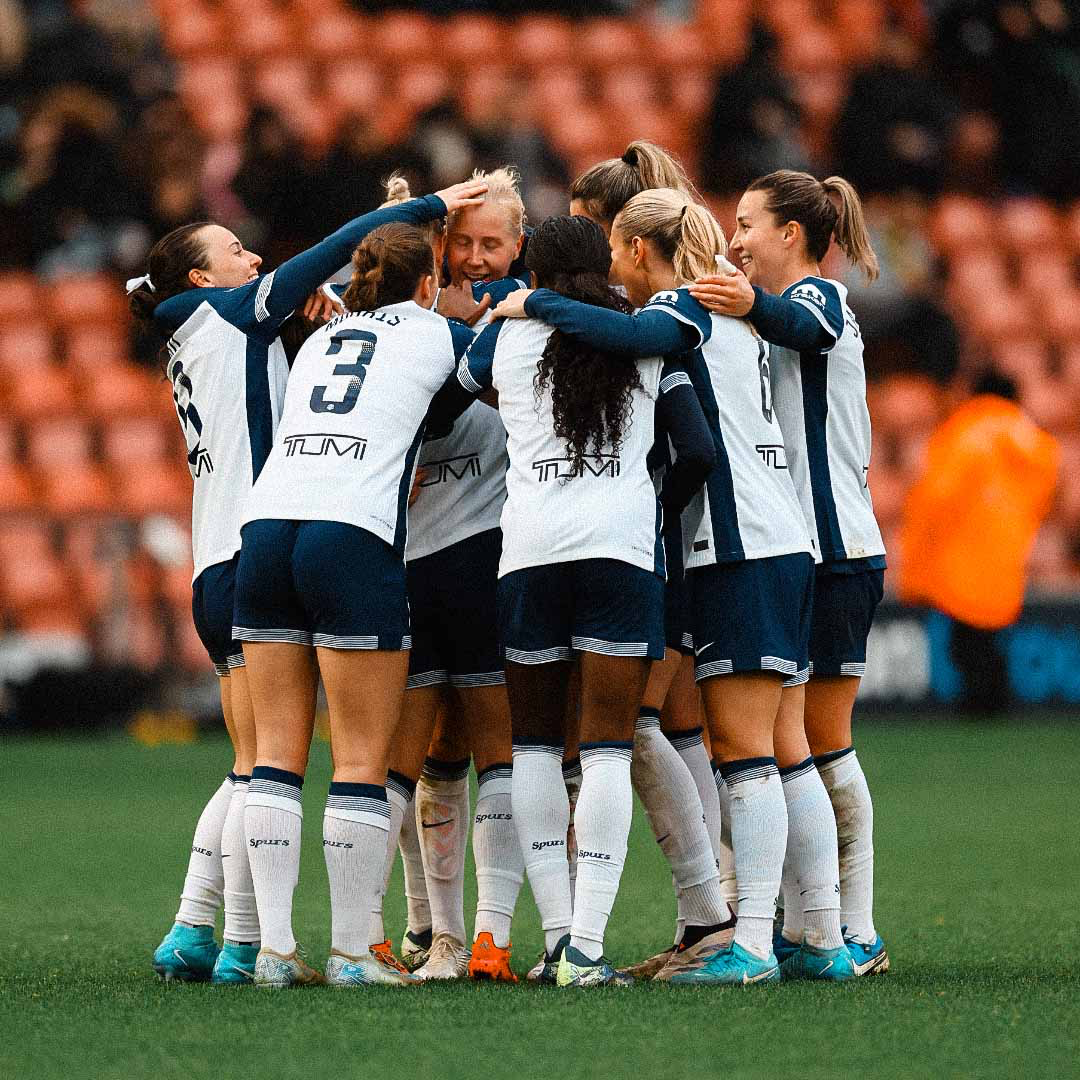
859, 25
146, 488
1072, 227
192, 29
543, 41
75, 489
263, 32
1049, 404
1070, 369
1030, 225
88, 347
46, 391
145, 637
208, 76
474, 39
9, 440
338, 34
175, 582
403, 37
281, 80
960, 222
629, 88
62, 618
222, 119
94, 298
24, 347
124, 390
813, 49
55, 441
36, 578
908, 403
609, 43
29, 536
20, 299
1047, 274
1060, 315
1009, 316
888, 487
353, 86
556, 91
484, 95
17, 489
1021, 358
421, 85
131, 439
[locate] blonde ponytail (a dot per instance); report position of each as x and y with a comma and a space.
684, 232
397, 191
850, 231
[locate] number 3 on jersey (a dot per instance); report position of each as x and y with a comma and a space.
357, 369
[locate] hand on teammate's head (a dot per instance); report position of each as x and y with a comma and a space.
469, 193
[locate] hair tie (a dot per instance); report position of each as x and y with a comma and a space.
630, 158
682, 213
133, 283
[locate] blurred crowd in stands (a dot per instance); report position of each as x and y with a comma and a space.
956, 119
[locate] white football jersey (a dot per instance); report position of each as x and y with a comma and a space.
610, 509
748, 508
820, 400
354, 415
228, 388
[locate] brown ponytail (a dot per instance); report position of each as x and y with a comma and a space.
387, 267
606, 187
798, 196
170, 261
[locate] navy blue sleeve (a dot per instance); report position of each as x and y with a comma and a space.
263, 304
498, 290
651, 332
680, 415
808, 317
474, 371
461, 334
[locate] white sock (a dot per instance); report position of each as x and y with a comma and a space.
204, 883
542, 815
399, 790
691, 748
811, 852
571, 772
500, 868
241, 914
843, 778
759, 837
725, 854
669, 794
418, 918
443, 798
604, 811
273, 816
355, 826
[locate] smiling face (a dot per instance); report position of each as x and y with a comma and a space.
228, 263
481, 243
762, 245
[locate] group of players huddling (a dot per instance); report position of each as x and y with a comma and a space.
545, 499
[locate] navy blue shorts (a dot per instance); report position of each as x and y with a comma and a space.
455, 631
589, 605
676, 601
212, 599
320, 583
844, 606
753, 616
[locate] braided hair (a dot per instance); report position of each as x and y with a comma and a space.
591, 389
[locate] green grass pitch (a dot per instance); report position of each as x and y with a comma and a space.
978, 873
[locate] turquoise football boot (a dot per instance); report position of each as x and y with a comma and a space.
820, 965
869, 959
576, 969
235, 965
188, 954
733, 966
782, 947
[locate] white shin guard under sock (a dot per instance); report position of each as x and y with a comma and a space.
667, 790
542, 815
355, 828
725, 855
810, 862
571, 772
853, 808
759, 839
241, 914
602, 823
204, 882
442, 797
418, 918
273, 817
500, 867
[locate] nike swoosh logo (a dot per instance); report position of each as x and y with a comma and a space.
663, 838
226, 856
177, 954
698, 652
747, 979
826, 968
436, 824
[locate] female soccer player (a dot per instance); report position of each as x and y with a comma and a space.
320, 590
785, 224
747, 549
581, 570
204, 297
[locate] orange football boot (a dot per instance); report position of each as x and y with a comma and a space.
384, 953
489, 962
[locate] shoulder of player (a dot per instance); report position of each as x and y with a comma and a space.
823, 293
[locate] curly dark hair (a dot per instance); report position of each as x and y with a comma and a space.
591, 389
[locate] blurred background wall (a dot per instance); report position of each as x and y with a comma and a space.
958, 121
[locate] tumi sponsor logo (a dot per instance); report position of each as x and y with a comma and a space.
772, 454
539, 845
321, 444
267, 843
446, 472
559, 468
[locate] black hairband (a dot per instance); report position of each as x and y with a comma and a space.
630, 158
